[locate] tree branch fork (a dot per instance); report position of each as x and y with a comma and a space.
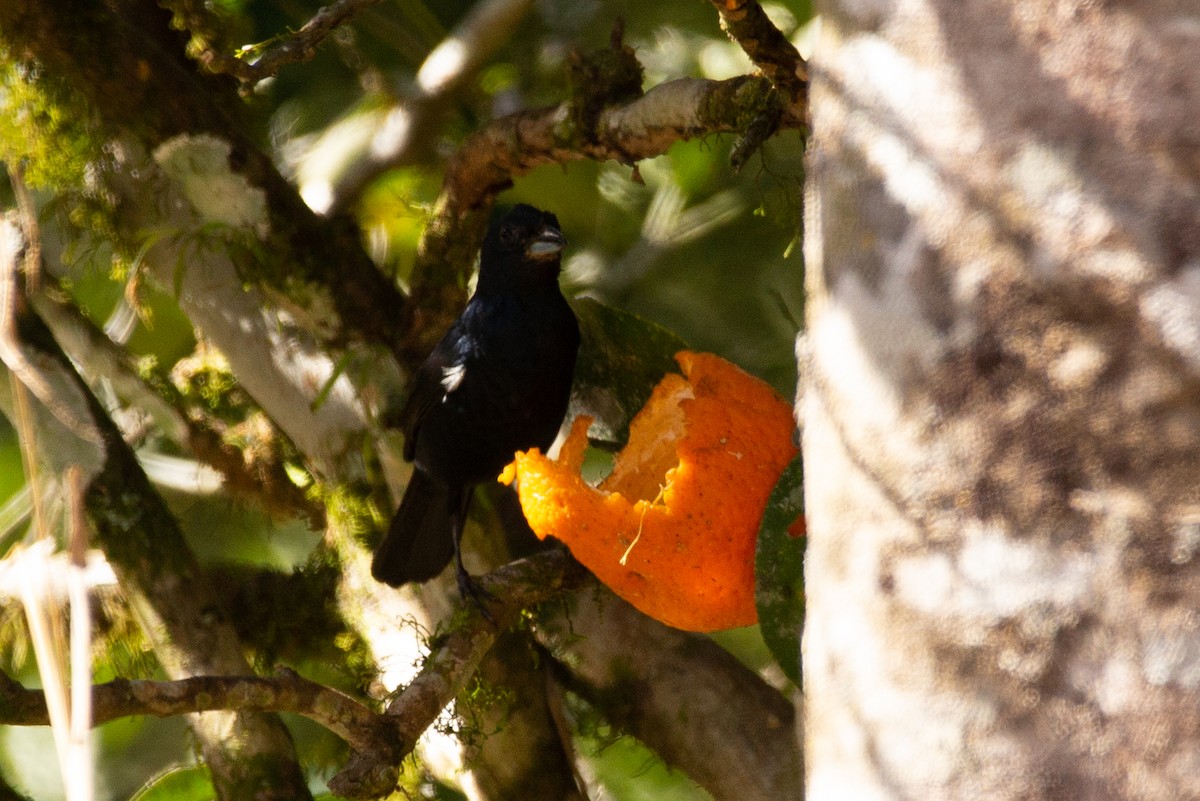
626, 130
379, 739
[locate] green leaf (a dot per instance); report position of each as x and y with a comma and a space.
779, 571
621, 358
180, 783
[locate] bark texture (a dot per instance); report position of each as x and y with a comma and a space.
1002, 416
680, 693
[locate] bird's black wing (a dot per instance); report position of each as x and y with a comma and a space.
435, 377
419, 542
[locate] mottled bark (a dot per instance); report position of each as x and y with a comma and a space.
1002, 420
680, 693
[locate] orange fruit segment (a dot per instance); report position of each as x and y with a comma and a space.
672, 529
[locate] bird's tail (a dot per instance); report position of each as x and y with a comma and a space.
419, 543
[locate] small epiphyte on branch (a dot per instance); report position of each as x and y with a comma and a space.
605, 77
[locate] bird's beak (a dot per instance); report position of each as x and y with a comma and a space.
548, 243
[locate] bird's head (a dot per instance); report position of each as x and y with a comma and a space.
523, 238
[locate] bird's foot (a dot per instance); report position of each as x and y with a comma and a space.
470, 590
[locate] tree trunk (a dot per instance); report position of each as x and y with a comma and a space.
1002, 415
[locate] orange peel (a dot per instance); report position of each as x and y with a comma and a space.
673, 527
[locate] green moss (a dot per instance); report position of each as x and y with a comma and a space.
748, 99
210, 26
47, 129
204, 379
481, 710
605, 77
42, 126
120, 646
357, 659
349, 509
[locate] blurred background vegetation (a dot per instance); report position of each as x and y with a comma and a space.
711, 255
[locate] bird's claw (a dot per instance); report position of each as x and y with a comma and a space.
471, 591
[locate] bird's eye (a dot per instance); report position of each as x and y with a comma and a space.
508, 235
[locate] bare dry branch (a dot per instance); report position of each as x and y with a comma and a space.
643, 128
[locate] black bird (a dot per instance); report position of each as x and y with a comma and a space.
498, 382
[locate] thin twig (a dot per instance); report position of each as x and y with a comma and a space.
284, 50
284, 692
79, 765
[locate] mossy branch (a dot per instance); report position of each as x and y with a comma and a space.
120, 66
380, 740
749, 26
142, 540
628, 132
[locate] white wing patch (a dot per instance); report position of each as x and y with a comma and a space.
452, 377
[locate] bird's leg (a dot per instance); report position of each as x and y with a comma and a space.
467, 587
